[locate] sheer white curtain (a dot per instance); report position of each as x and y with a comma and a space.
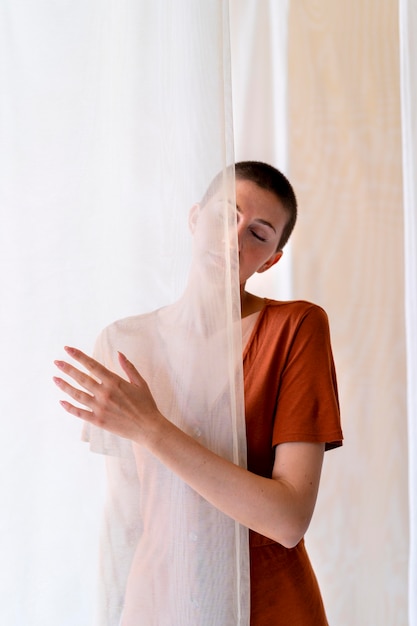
114, 118
408, 49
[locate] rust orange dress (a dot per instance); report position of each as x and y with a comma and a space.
290, 395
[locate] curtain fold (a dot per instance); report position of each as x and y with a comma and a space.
408, 50
259, 48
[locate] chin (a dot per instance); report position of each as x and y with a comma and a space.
243, 279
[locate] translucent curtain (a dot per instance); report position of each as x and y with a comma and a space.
115, 116
408, 49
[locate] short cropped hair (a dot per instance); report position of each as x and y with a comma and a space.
269, 178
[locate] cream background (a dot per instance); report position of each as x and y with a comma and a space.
345, 155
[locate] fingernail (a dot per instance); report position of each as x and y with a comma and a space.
59, 363
56, 380
69, 349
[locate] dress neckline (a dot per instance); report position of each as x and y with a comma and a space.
248, 324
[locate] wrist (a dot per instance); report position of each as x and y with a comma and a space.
155, 433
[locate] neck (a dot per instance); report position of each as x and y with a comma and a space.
249, 303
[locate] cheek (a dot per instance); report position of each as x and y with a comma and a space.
262, 252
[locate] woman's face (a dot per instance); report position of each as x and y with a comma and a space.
261, 219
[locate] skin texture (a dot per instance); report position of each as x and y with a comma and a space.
279, 507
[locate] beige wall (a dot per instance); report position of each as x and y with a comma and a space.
345, 163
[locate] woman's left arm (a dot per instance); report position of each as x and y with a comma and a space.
279, 507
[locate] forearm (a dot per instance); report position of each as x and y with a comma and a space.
279, 507
270, 506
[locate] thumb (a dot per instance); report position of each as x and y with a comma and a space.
130, 370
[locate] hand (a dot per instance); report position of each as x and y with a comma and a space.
125, 408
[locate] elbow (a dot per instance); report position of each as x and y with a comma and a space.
291, 535
291, 541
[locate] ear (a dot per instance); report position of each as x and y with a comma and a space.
271, 261
193, 217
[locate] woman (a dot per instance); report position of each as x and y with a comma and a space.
291, 413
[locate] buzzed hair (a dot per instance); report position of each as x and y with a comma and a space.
269, 178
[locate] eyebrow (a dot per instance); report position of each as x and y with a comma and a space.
260, 220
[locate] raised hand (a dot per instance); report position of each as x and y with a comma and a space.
125, 408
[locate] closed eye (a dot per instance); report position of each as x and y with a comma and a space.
259, 237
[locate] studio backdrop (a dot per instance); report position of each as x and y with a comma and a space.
114, 116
